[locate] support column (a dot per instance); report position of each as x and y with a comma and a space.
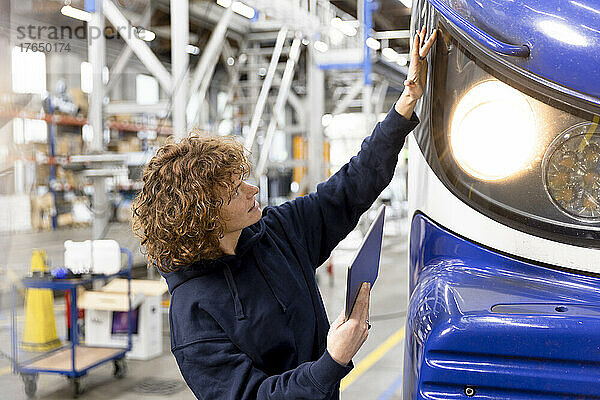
180, 61
316, 109
96, 56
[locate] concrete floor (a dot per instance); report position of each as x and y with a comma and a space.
381, 381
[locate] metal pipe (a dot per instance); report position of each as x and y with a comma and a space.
355, 89
384, 35
205, 67
293, 99
179, 66
233, 72
214, 43
380, 96
316, 108
97, 53
206, 83
266, 87
141, 49
286, 82
367, 26
123, 58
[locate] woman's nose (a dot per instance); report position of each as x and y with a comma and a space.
252, 190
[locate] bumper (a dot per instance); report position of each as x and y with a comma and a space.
485, 324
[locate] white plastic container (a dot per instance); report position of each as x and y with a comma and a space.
93, 256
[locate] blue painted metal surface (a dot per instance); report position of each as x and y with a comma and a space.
563, 36
541, 340
90, 6
341, 66
51, 149
484, 38
367, 26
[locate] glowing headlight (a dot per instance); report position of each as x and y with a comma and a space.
572, 172
493, 134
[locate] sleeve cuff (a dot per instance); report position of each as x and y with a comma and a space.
327, 373
394, 123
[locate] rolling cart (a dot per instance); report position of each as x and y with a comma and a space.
72, 359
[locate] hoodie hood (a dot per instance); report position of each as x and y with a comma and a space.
248, 238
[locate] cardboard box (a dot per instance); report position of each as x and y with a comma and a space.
63, 146
42, 208
81, 99
107, 309
63, 220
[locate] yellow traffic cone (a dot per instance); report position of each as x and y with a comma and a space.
40, 327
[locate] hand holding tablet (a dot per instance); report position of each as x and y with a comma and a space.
351, 328
365, 266
346, 336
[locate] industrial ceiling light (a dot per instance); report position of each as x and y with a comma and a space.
243, 9
239, 8
390, 54
373, 43
145, 34
69, 11
193, 50
346, 27
321, 46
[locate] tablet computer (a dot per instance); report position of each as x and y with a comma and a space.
365, 265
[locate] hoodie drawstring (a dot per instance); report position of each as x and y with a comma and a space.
266, 278
239, 310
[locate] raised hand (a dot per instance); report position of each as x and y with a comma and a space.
417, 71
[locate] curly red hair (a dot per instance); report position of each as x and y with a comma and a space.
177, 213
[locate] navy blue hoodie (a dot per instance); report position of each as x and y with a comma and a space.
253, 325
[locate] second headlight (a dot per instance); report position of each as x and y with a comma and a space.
571, 170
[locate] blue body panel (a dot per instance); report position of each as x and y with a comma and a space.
506, 328
563, 36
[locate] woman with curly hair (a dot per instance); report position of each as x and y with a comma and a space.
247, 319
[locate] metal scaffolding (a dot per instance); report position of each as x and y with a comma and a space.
276, 75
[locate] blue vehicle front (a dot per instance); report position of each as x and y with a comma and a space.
504, 190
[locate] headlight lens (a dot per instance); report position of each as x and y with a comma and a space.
525, 159
493, 131
572, 172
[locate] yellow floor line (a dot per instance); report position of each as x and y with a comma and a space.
6, 370
372, 358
